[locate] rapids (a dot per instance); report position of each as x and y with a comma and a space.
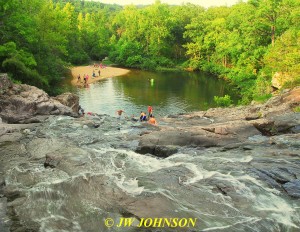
91, 174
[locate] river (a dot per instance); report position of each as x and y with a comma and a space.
78, 174
167, 92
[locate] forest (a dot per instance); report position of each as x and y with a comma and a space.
245, 44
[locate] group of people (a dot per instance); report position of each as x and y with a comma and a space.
143, 116
100, 65
96, 66
85, 78
94, 75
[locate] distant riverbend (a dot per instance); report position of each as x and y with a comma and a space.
168, 92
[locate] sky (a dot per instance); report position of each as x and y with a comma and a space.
204, 3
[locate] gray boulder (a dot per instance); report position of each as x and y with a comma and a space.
293, 188
69, 99
52, 160
159, 151
20, 103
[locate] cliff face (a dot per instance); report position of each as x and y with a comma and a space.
25, 103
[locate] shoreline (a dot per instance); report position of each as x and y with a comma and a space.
105, 72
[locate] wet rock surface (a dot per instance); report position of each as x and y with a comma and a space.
293, 188
159, 151
233, 169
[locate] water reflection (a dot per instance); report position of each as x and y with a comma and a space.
168, 93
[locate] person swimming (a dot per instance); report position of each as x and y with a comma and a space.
119, 112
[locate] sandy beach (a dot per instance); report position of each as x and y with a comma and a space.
105, 72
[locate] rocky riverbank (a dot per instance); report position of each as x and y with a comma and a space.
223, 127
234, 169
26, 104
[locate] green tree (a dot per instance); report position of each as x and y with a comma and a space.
284, 56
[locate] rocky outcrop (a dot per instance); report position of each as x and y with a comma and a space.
25, 103
69, 99
279, 79
5, 83
224, 126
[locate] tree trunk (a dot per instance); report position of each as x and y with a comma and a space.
273, 35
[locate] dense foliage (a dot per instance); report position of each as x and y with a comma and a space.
223, 101
40, 39
246, 43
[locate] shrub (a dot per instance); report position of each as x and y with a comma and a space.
21, 73
113, 56
292, 84
223, 101
134, 61
297, 109
164, 69
79, 58
262, 98
164, 62
148, 64
262, 87
191, 65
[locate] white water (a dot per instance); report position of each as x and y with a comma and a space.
96, 180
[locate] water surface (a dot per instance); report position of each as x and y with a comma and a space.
167, 92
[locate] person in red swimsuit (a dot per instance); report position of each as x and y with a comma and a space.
150, 110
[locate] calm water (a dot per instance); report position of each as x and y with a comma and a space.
168, 93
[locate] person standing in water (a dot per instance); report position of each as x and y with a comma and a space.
84, 78
150, 110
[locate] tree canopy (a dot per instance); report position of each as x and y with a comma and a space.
245, 43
